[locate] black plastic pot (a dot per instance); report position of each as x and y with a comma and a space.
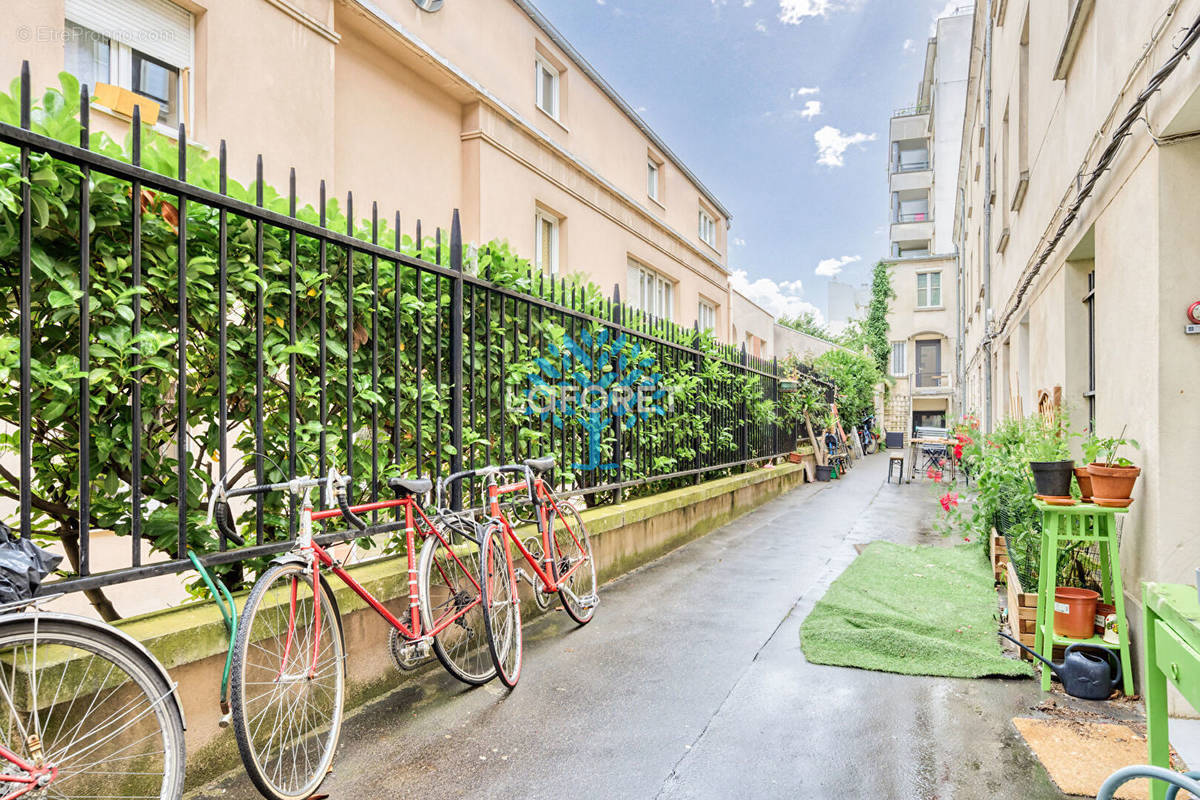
1052, 478
824, 472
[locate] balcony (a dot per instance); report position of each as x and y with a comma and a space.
911, 166
930, 384
913, 230
910, 111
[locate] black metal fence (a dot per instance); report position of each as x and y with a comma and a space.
173, 333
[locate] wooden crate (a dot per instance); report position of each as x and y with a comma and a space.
999, 554
1022, 612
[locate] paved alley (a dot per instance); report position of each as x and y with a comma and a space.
690, 683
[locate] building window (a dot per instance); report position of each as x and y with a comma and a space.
546, 245
708, 229
652, 172
103, 43
650, 292
706, 315
898, 368
547, 87
929, 290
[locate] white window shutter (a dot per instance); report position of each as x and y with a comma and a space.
158, 28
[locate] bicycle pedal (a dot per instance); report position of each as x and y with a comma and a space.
224, 721
589, 601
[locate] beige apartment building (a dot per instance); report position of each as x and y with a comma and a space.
923, 263
1097, 317
421, 105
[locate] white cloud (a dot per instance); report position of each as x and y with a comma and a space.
830, 267
811, 109
947, 10
832, 144
747, 3
793, 12
781, 299
910, 46
760, 26
738, 241
802, 91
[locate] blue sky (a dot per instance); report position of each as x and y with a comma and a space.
729, 85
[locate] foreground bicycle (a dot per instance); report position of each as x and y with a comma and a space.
288, 667
85, 710
560, 558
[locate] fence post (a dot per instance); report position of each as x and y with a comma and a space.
456, 358
617, 455
745, 424
696, 366
775, 406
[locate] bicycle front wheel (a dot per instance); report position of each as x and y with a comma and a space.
502, 602
574, 566
450, 599
287, 682
86, 713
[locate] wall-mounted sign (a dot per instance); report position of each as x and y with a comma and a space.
428, 5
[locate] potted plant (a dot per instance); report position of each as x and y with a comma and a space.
1112, 475
1046, 450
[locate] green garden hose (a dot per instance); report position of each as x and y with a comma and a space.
224, 601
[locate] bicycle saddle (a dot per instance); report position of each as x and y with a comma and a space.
405, 486
540, 464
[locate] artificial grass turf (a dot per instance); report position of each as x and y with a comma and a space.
915, 610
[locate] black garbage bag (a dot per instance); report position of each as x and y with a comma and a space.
22, 566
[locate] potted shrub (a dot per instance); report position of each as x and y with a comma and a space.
1112, 475
1046, 450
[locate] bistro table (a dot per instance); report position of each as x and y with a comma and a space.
1172, 632
914, 445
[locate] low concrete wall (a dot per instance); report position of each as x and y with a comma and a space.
190, 641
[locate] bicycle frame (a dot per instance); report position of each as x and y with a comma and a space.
318, 557
542, 501
35, 776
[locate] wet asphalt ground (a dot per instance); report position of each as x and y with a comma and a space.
690, 683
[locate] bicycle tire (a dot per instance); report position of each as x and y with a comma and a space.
264, 625
502, 600
162, 710
573, 547
462, 646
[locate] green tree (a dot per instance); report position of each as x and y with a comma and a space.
806, 322
875, 328
856, 376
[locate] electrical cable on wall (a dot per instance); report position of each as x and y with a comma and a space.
1102, 164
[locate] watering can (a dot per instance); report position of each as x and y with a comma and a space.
1086, 670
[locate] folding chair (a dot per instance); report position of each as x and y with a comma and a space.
895, 446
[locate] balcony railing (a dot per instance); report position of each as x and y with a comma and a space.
930, 382
911, 166
911, 111
918, 216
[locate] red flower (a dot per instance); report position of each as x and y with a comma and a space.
958, 450
949, 500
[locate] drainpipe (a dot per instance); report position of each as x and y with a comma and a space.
961, 314
987, 220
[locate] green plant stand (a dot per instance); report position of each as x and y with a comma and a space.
1172, 631
1085, 523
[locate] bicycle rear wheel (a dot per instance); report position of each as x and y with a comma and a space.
287, 704
503, 604
450, 592
574, 566
93, 705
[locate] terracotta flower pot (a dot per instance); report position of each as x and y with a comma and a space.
1111, 482
1085, 483
1075, 612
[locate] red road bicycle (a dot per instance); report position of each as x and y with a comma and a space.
288, 674
559, 558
